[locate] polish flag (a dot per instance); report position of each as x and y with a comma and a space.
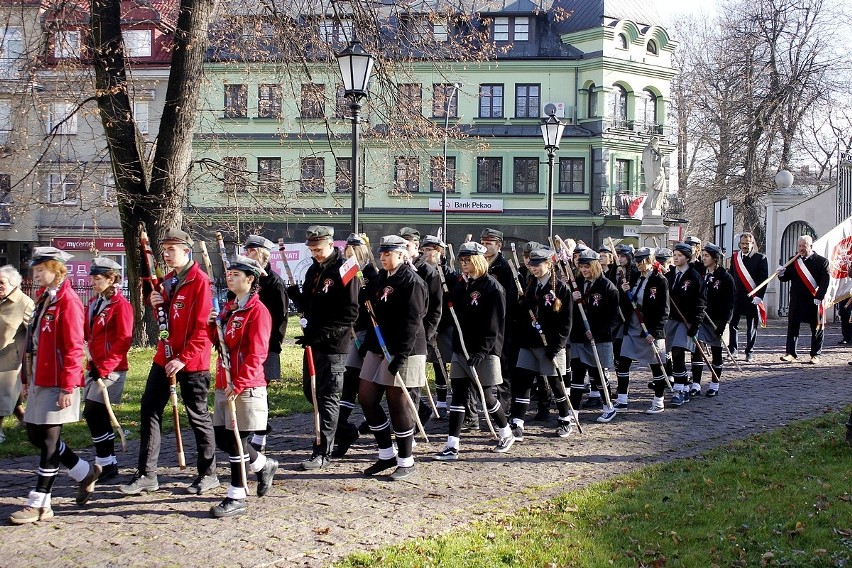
635, 209
348, 270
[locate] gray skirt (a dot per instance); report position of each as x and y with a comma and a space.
42, 406
676, 335
252, 410
636, 347
707, 334
535, 360
583, 352
412, 372
488, 370
115, 387
352, 358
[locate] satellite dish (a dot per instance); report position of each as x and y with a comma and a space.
549, 109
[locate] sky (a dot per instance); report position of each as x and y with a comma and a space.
672, 8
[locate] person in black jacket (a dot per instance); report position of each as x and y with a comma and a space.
480, 306
543, 339
399, 302
720, 305
749, 268
599, 299
644, 300
624, 272
695, 263
688, 299
432, 250
329, 309
347, 433
808, 278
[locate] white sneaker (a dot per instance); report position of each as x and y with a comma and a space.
607, 415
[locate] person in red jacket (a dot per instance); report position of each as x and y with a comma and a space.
108, 333
187, 302
246, 325
54, 373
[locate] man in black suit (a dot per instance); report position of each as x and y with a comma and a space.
808, 277
749, 268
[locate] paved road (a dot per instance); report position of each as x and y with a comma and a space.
312, 519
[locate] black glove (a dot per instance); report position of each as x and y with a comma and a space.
475, 360
396, 363
550, 352
362, 350
303, 340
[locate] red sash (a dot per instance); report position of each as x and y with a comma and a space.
811, 285
748, 283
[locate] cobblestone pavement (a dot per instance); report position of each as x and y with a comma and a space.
312, 519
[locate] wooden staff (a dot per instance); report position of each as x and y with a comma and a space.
725, 345
220, 242
312, 373
283, 250
225, 357
771, 276
113, 420
697, 343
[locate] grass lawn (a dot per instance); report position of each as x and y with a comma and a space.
779, 499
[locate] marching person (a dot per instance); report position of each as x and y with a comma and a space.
549, 300
399, 302
649, 291
808, 280
688, 299
625, 272
347, 433
540, 388
246, 326
607, 262
52, 379
273, 295
16, 312
663, 256
524, 271
187, 304
719, 286
599, 298
329, 308
696, 263
432, 249
480, 307
108, 334
748, 267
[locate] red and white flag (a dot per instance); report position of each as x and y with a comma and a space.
836, 246
348, 270
635, 209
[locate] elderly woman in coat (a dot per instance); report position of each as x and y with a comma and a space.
16, 310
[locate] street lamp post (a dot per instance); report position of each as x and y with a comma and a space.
356, 66
551, 132
455, 87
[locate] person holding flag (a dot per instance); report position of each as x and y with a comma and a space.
808, 280
747, 267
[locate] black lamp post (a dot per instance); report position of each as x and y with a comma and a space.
455, 87
356, 66
551, 131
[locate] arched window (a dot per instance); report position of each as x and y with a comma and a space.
621, 41
649, 114
618, 110
593, 102
652, 47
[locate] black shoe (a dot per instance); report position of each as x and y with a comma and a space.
109, 472
317, 461
843, 342
543, 414
229, 508
711, 393
203, 484
265, 476
344, 440
749, 358
380, 466
364, 428
593, 403
470, 424
401, 473
86, 486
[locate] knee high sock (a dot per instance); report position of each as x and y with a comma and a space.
103, 436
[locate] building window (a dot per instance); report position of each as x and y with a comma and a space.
652, 47
335, 32
62, 189
593, 101
439, 171
11, 53
5, 123
406, 174
109, 196
649, 110
410, 98
140, 116
571, 175
67, 45
526, 175
343, 175
137, 43
313, 175
511, 29
501, 29
521, 29
618, 109
527, 101
621, 41
445, 101
491, 101
5, 204
622, 176
62, 118
489, 175
313, 100
236, 101
439, 32
233, 174
269, 101
269, 175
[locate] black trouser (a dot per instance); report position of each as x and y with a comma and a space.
97, 418
329, 378
752, 318
193, 390
45, 437
809, 316
845, 314
226, 442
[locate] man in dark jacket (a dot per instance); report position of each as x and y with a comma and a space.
808, 278
329, 308
749, 268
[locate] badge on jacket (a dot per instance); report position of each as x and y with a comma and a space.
387, 291
474, 298
326, 284
652, 293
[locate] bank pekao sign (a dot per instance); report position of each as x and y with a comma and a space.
468, 205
